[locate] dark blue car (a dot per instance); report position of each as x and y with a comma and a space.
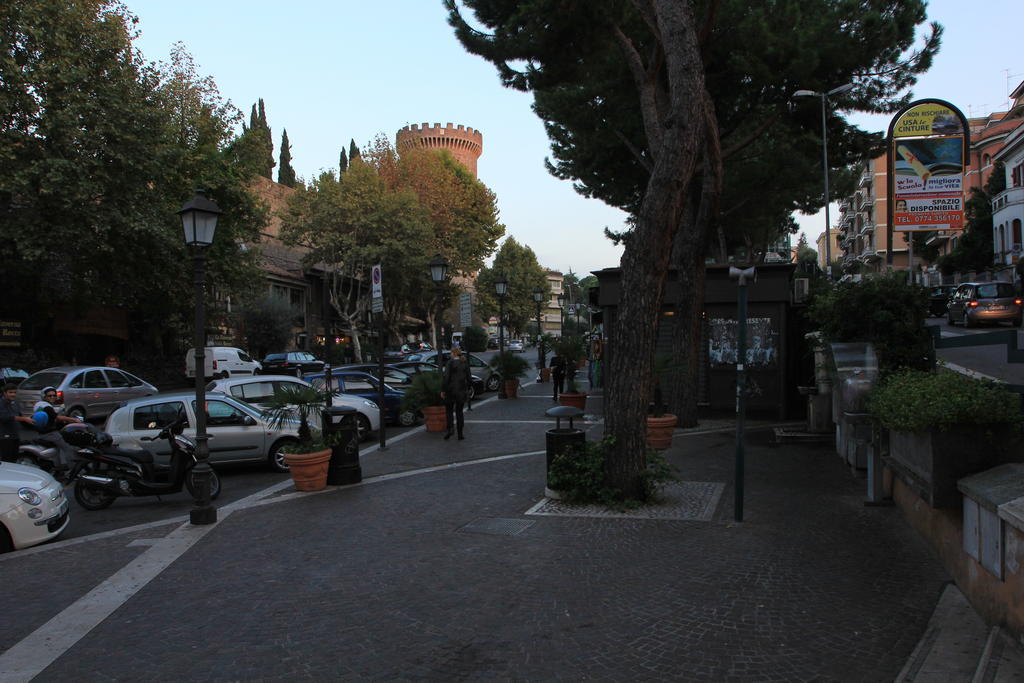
367, 386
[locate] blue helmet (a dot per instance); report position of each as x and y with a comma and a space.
40, 419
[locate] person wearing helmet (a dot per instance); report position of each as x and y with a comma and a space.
48, 421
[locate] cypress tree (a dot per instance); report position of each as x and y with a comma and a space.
285, 172
342, 163
353, 151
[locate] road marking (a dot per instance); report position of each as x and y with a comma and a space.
27, 658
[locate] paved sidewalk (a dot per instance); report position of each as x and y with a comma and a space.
437, 567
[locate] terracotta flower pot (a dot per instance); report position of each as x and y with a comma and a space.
435, 419
309, 470
659, 431
574, 400
545, 374
512, 388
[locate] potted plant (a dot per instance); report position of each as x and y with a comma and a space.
423, 395
309, 458
660, 424
571, 350
944, 426
509, 366
545, 342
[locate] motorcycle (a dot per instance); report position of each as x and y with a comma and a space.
33, 452
104, 472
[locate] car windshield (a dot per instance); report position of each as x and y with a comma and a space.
995, 290
273, 357
43, 379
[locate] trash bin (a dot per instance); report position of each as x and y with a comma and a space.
559, 438
344, 467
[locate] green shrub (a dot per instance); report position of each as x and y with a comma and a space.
579, 474
883, 310
916, 401
425, 390
509, 365
475, 339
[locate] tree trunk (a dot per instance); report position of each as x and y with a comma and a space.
645, 259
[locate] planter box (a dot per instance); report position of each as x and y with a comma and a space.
930, 463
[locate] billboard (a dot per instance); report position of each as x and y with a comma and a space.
927, 155
928, 184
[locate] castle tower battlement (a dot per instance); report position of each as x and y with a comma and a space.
464, 143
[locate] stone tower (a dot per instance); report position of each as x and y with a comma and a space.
465, 144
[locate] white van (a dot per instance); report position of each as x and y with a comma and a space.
222, 362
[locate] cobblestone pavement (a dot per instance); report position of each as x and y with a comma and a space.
437, 567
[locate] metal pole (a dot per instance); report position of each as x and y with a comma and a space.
203, 512
910, 255
540, 344
329, 398
380, 386
824, 164
437, 331
741, 405
501, 341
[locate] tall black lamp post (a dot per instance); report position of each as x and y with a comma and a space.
538, 297
561, 314
199, 219
501, 289
438, 273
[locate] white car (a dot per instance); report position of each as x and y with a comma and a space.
256, 390
33, 508
516, 345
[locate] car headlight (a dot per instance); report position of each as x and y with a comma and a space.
29, 496
371, 405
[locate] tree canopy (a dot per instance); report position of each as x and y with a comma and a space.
518, 264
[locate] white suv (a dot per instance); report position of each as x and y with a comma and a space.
256, 390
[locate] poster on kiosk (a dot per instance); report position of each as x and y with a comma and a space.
927, 154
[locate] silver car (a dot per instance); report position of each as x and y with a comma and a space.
238, 433
984, 302
256, 391
85, 391
477, 366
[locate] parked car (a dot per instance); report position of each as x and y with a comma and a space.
33, 508
221, 361
492, 342
257, 390
416, 347
938, 299
393, 376
516, 345
393, 353
477, 366
297, 363
976, 302
85, 391
12, 375
238, 432
367, 386
414, 366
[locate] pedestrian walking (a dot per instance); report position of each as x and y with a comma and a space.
455, 383
558, 368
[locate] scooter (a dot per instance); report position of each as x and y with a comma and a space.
103, 472
34, 453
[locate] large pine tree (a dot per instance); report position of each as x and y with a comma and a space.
285, 172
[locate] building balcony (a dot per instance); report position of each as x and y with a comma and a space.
1008, 199
869, 255
867, 227
938, 238
866, 178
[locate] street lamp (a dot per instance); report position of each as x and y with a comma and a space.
501, 289
824, 161
438, 273
199, 220
561, 310
538, 297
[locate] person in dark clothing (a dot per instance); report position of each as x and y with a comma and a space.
557, 376
10, 416
455, 382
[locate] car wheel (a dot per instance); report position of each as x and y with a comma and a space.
276, 457
407, 418
192, 484
1018, 320
363, 427
92, 497
471, 394
6, 544
224, 375
493, 382
949, 317
967, 320
77, 412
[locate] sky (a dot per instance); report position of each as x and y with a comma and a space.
331, 71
